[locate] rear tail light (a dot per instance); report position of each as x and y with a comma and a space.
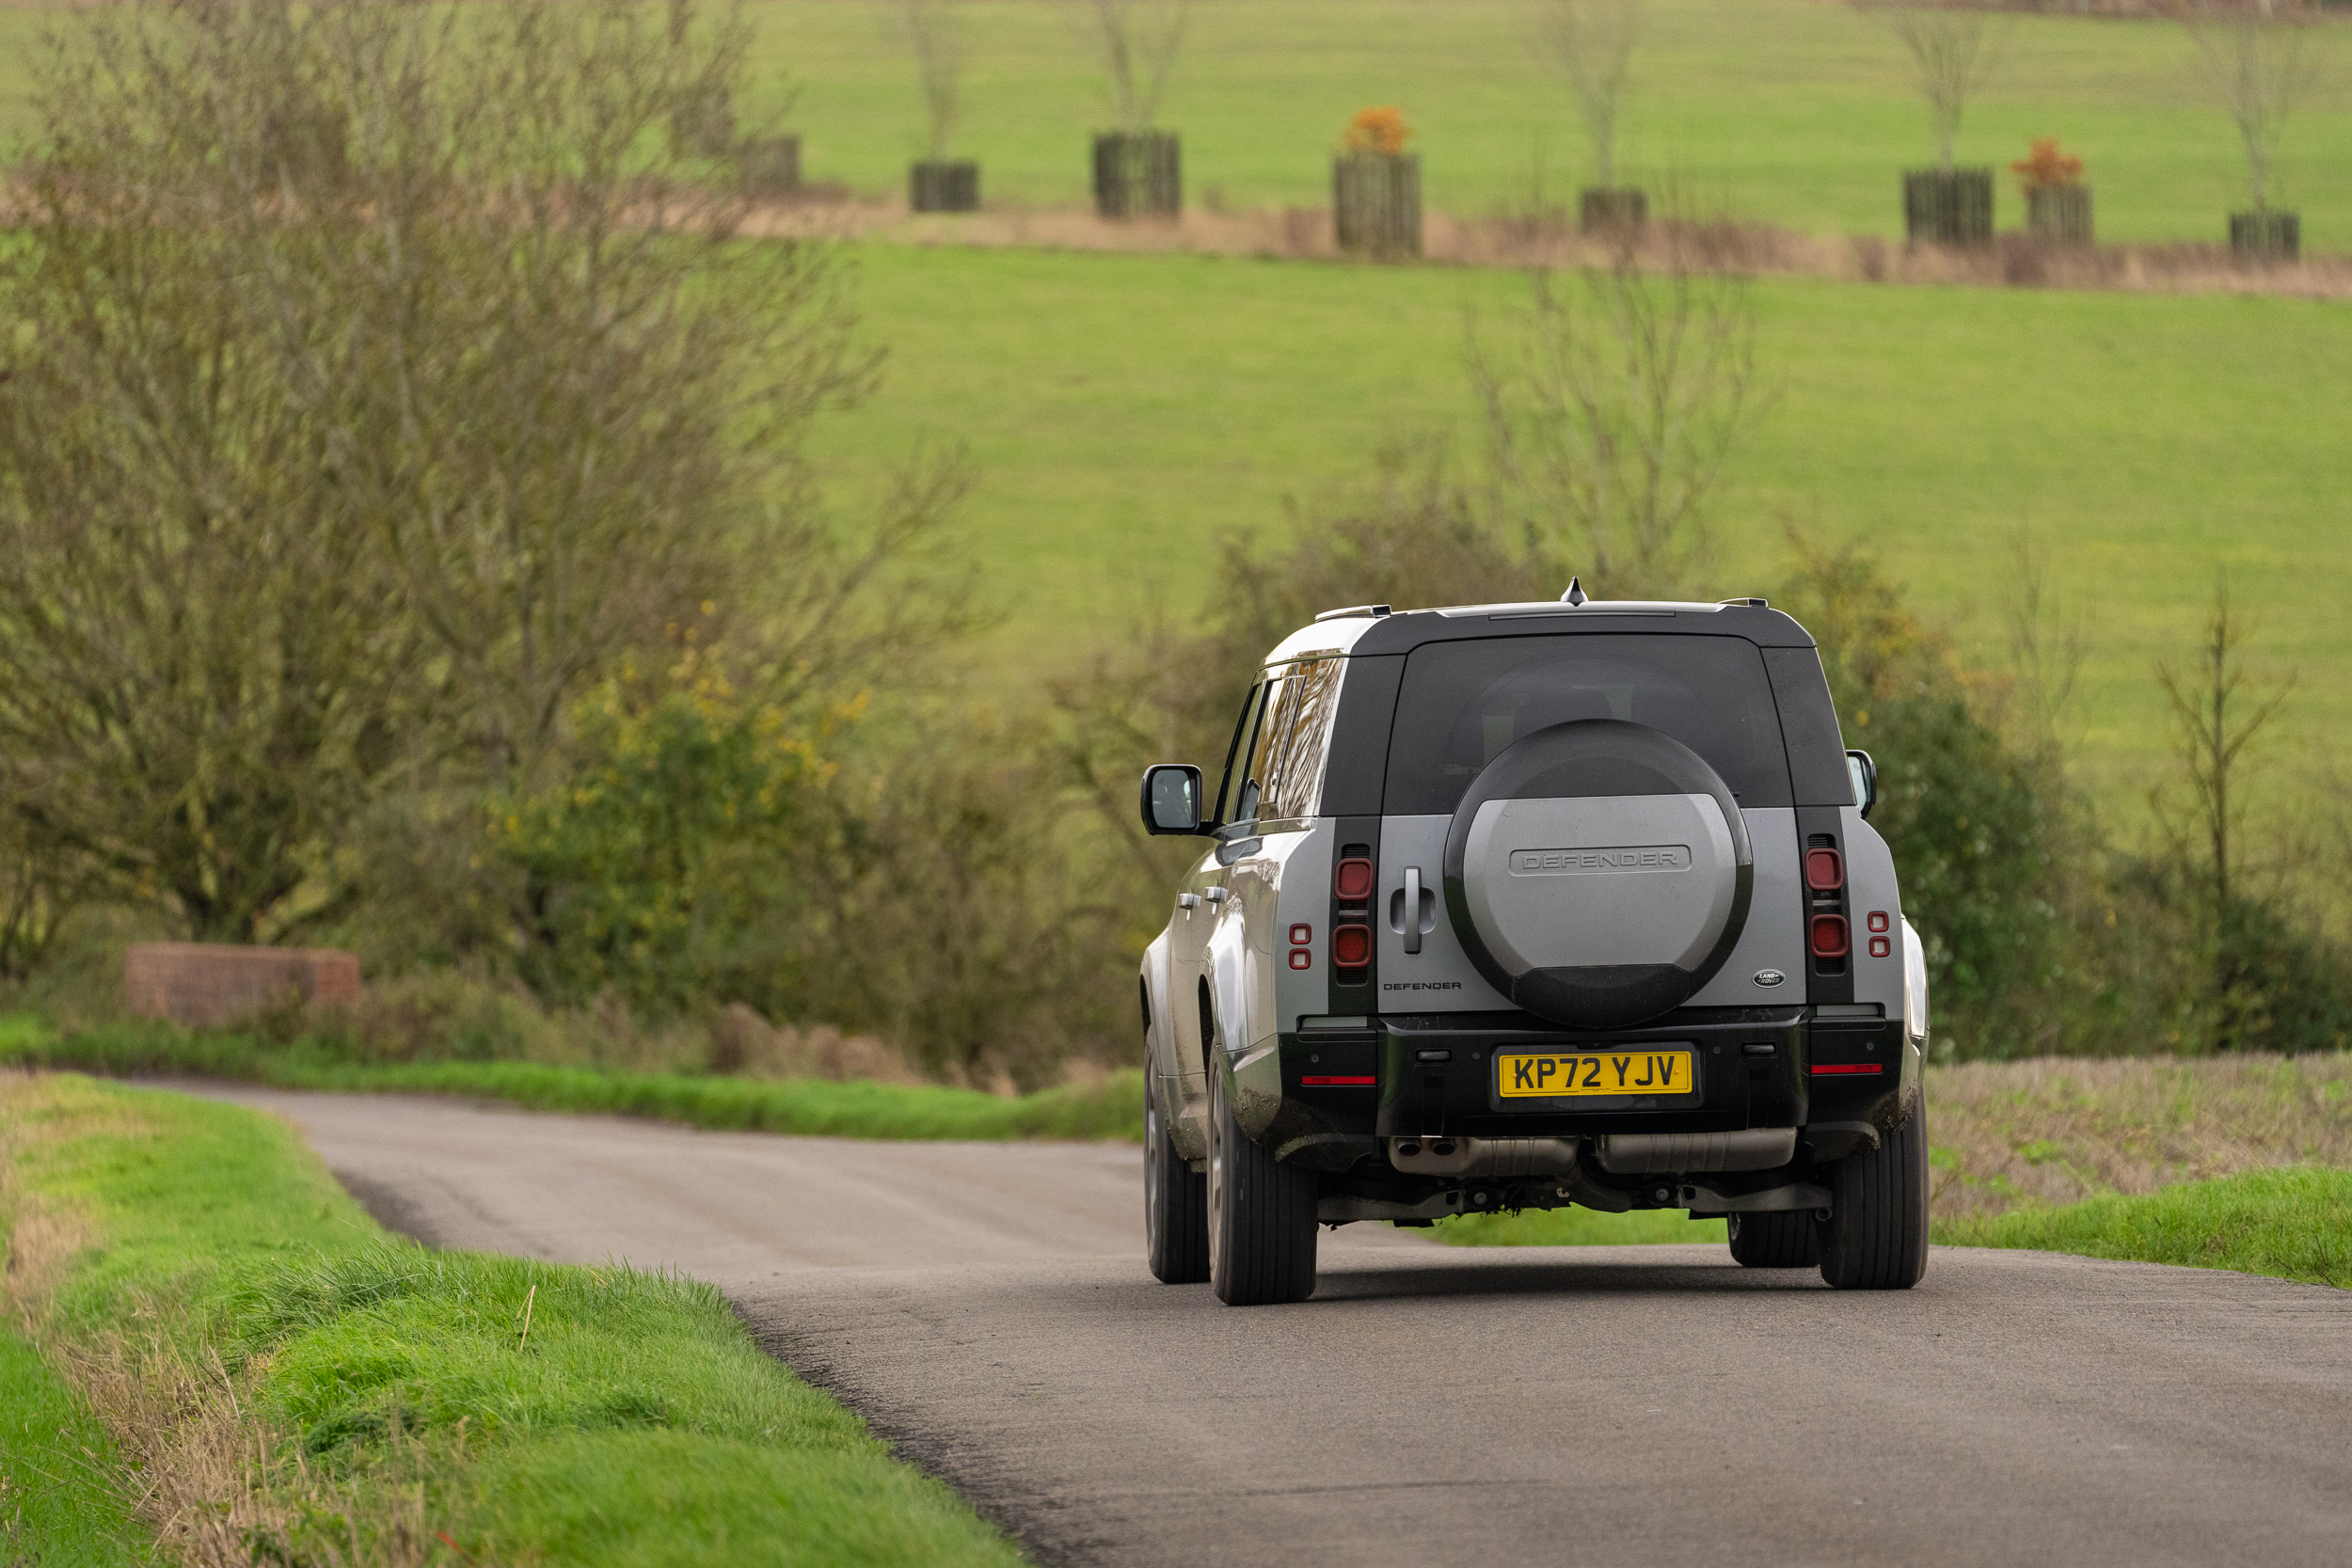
1880, 947
1825, 870
1350, 1080
1351, 882
1840, 1070
1829, 936
1302, 958
1351, 947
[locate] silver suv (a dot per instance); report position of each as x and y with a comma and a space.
1519, 905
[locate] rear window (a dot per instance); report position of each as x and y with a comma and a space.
1463, 702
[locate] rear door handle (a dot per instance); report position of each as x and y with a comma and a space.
1412, 908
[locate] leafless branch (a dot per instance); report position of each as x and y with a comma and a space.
1610, 414
934, 33
1138, 42
2257, 63
1955, 53
1594, 41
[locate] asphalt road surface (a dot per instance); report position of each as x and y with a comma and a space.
986, 1306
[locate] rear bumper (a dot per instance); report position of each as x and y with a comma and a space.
1326, 1097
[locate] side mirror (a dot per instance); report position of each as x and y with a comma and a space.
1865, 774
1172, 798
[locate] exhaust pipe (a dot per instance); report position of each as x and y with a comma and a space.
1496, 1157
1686, 1153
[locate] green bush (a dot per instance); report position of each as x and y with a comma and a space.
1978, 824
651, 860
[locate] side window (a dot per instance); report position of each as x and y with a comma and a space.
1234, 752
1299, 727
1251, 789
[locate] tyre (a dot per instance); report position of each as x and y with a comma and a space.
1785, 1239
1262, 1216
1876, 1236
1175, 1200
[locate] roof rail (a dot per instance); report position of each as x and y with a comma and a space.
1752, 604
1355, 609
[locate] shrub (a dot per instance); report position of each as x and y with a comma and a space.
649, 863
1976, 825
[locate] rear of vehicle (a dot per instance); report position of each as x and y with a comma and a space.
1544, 905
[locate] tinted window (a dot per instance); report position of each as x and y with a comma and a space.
1463, 702
1298, 732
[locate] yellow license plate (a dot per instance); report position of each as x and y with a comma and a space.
1596, 1073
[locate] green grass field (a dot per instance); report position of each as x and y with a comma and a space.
1125, 409
2293, 1223
1794, 111
507, 1409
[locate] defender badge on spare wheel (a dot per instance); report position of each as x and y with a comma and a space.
1609, 864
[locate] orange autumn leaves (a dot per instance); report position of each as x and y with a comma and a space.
2045, 167
1380, 131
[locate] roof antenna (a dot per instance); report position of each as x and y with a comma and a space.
1575, 594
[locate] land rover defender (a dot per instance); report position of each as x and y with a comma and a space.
1519, 905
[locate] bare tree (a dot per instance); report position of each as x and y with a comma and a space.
2047, 644
381, 385
2256, 60
2217, 717
1609, 419
1955, 53
1138, 42
935, 35
1594, 40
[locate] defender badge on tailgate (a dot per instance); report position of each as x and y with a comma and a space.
1568, 862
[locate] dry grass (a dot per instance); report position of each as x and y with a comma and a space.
741, 1041
1549, 240
2058, 1130
224, 1489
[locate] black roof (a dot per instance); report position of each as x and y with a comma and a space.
1754, 620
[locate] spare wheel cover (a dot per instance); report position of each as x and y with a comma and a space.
1598, 873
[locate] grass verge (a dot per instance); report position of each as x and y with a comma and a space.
292, 1385
2049, 1133
2291, 1224
1111, 1108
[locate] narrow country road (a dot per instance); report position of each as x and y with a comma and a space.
987, 1307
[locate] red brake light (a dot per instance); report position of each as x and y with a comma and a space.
1829, 935
1825, 870
1351, 882
1351, 947
1834, 1069
1329, 1082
